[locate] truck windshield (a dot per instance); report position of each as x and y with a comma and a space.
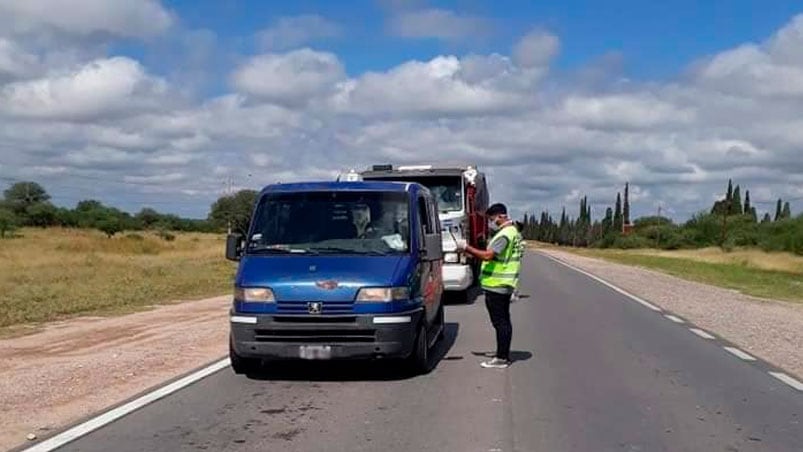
447, 190
340, 222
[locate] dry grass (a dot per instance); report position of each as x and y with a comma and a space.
54, 273
753, 272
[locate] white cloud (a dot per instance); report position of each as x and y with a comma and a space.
545, 138
14, 61
536, 49
291, 78
294, 31
436, 23
112, 86
126, 18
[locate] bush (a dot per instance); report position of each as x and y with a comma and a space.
166, 236
784, 235
8, 222
632, 241
135, 237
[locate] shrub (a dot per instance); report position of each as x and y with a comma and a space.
631, 242
135, 237
166, 236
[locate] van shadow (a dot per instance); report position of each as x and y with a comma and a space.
352, 370
467, 299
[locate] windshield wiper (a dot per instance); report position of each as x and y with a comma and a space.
274, 250
335, 249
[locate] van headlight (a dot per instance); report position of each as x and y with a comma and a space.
254, 295
451, 258
382, 294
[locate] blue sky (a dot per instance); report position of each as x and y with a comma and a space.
157, 102
655, 39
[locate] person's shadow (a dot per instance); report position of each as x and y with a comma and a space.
515, 355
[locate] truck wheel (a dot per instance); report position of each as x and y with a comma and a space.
241, 365
418, 362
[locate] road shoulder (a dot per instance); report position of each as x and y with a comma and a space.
769, 329
75, 368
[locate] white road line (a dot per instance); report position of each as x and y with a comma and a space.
703, 334
740, 354
606, 283
674, 318
116, 413
788, 380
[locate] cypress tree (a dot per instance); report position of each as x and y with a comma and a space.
736, 202
753, 214
787, 211
729, 195
767, 218
617, 216
607, 223
626, 210
747, 201
778, 210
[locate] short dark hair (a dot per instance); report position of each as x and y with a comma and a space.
496, 209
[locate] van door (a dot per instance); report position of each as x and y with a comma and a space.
429, 274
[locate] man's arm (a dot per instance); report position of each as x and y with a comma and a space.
497, 247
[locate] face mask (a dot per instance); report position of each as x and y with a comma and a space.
493, 226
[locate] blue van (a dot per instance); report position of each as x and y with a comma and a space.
338, 270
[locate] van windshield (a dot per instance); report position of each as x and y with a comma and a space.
340, 222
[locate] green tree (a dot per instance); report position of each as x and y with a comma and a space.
23, 195
110, 225
626, 209
736, 202
148, 217
42, 214
767, 218
234, 211
729, 194
8, 222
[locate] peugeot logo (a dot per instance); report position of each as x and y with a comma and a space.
314, 307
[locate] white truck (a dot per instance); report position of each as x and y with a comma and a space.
462, 196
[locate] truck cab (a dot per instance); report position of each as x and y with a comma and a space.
338, 270
462, 196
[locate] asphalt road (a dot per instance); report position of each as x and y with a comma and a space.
594, 371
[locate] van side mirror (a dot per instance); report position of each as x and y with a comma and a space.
433, 247
233, 250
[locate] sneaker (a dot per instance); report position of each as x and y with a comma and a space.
496, 363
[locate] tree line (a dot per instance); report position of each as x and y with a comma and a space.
731, 222
29, 204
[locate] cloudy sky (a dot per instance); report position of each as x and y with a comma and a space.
159, 103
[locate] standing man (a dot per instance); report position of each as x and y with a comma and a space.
499, 277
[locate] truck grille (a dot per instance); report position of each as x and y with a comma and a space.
328, 307
314, 335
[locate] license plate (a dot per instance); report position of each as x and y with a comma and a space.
315, 352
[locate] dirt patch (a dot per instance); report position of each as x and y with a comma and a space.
770, 329
74, 368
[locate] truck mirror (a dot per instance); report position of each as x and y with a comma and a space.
233, 246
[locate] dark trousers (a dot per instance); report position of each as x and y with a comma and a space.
499, 310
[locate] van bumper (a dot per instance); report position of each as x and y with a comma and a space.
457, 277
271, 336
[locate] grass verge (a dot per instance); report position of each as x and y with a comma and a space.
48, 274
765, 275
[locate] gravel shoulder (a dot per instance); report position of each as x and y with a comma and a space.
770, 329
75, 368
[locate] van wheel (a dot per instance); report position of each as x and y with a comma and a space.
241, 365
418, 362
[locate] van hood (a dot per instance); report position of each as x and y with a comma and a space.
324, 278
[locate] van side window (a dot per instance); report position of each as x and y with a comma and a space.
433, 212
423, 216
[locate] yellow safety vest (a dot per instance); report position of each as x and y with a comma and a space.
504, 269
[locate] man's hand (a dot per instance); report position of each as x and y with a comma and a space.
461, 244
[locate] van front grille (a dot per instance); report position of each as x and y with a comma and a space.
315, 335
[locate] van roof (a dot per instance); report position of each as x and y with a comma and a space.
341, 186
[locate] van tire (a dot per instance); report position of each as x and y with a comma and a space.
241, 365
418, 363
